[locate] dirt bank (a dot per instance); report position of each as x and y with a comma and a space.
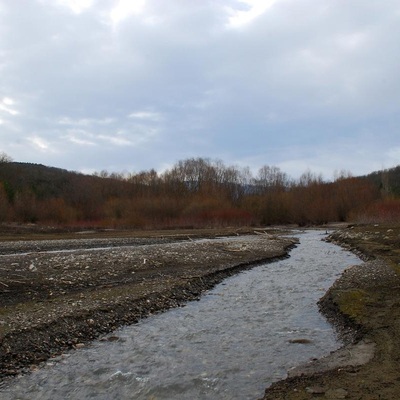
365, 306
52, 300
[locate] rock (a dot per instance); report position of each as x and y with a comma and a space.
11, 372
300, 341
32, 268
315, 390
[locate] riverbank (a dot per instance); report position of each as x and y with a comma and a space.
53, 300
364, 304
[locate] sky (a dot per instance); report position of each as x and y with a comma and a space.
131, 85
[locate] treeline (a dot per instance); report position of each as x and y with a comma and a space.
196, 192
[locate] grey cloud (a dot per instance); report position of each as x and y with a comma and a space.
176, 81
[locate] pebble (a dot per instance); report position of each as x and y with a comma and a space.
32, 268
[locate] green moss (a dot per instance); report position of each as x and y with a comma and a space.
352, 303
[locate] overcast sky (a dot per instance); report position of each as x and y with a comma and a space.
130, 85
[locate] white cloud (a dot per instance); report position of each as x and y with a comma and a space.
39, 143
125, 8
79, 141
85, 121
76, 6
6, 106
145, 115
253, 9
8, 110
8, 102
117, 140
80, 137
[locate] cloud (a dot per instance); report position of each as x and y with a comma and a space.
125, 8
119, 140
253, 9
80, 137
141, 84
85, 121
6, 106
76, 6
40, 143
145, 116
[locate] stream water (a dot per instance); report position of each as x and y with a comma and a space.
231, 344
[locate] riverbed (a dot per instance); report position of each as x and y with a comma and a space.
238, 339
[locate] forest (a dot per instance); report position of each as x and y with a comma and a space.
194, 193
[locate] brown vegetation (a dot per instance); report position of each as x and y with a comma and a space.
194, 193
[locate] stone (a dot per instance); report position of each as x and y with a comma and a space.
315, 390
32, 268
300, 341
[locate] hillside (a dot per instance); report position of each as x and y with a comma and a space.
387, 180
43, 181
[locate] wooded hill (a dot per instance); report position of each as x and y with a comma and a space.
193, 193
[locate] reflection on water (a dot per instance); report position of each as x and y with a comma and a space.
230, 345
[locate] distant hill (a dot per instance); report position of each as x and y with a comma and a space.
33, 188
387, 180
43, 181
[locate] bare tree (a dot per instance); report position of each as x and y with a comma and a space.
270, 178
5, 158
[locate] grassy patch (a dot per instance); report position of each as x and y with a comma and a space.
352, 303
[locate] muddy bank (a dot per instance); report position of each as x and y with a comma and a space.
364, 304
54, 301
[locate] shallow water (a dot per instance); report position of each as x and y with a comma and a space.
231, 344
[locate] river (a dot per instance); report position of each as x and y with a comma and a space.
233, 343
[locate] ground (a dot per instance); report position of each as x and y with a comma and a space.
365, 299
52, 300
